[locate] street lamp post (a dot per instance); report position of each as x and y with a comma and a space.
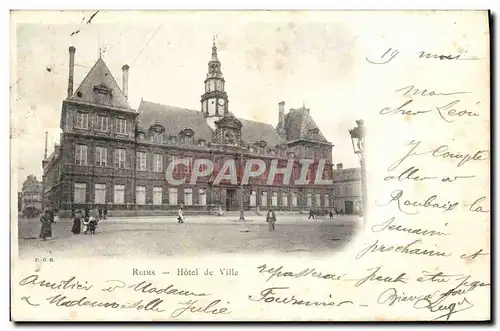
242, 212
358, 144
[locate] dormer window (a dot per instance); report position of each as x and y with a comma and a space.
102, 94
157, 137
173, 139
187, 136
313, 133
202, 142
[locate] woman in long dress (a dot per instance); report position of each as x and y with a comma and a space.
77, 223
46, 230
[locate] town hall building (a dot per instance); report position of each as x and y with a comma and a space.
112, 155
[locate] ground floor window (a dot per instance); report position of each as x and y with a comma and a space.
253, 198
172, 196
274, 200
119, 194
157, 195
188, 196
309, 199
327, 200
318, 200
294, 199
140, 195
80, 192
284, 199
263, 199
100, 193
202, 196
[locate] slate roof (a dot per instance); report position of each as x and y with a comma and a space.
100, 75
298, 122
176, 119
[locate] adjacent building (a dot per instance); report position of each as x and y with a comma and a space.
347, 189
31, 194
115, 156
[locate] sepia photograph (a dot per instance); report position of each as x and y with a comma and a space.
150, 152
250, 165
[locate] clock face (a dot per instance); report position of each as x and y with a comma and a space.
221, 102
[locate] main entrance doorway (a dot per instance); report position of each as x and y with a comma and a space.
349, 207
231, 203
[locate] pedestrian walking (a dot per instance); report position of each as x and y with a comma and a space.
105, 212
77, 222
180, 217
46, 229
311, 214
271, 219
56, 216
331, 214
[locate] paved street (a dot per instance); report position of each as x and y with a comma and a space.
162, 236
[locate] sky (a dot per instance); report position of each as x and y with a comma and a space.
310, 60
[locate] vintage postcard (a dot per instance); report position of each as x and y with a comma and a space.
250, 166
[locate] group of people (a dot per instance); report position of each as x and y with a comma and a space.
330, 213
85, 221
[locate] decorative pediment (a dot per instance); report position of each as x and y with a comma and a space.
102, 89
157, 127
229, 122
187, 133
261, 143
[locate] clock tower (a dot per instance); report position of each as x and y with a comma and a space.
214, 103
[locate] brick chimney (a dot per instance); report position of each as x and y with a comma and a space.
281, 119
125, 79
72, 51
340, 166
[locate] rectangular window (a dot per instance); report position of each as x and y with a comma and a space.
284, 199
140, 195
119, 194
101, 156
172, 196
102, 123
294, 199
100, 193
189, 166
120, 158
263, 199
309, 199
80, 192
157, 163
202, 196
253, 199
175, 170
81, 155
157, 195
327, 200
188, 196
121, 125
274, 199
141, 161
318, 200
82, 120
